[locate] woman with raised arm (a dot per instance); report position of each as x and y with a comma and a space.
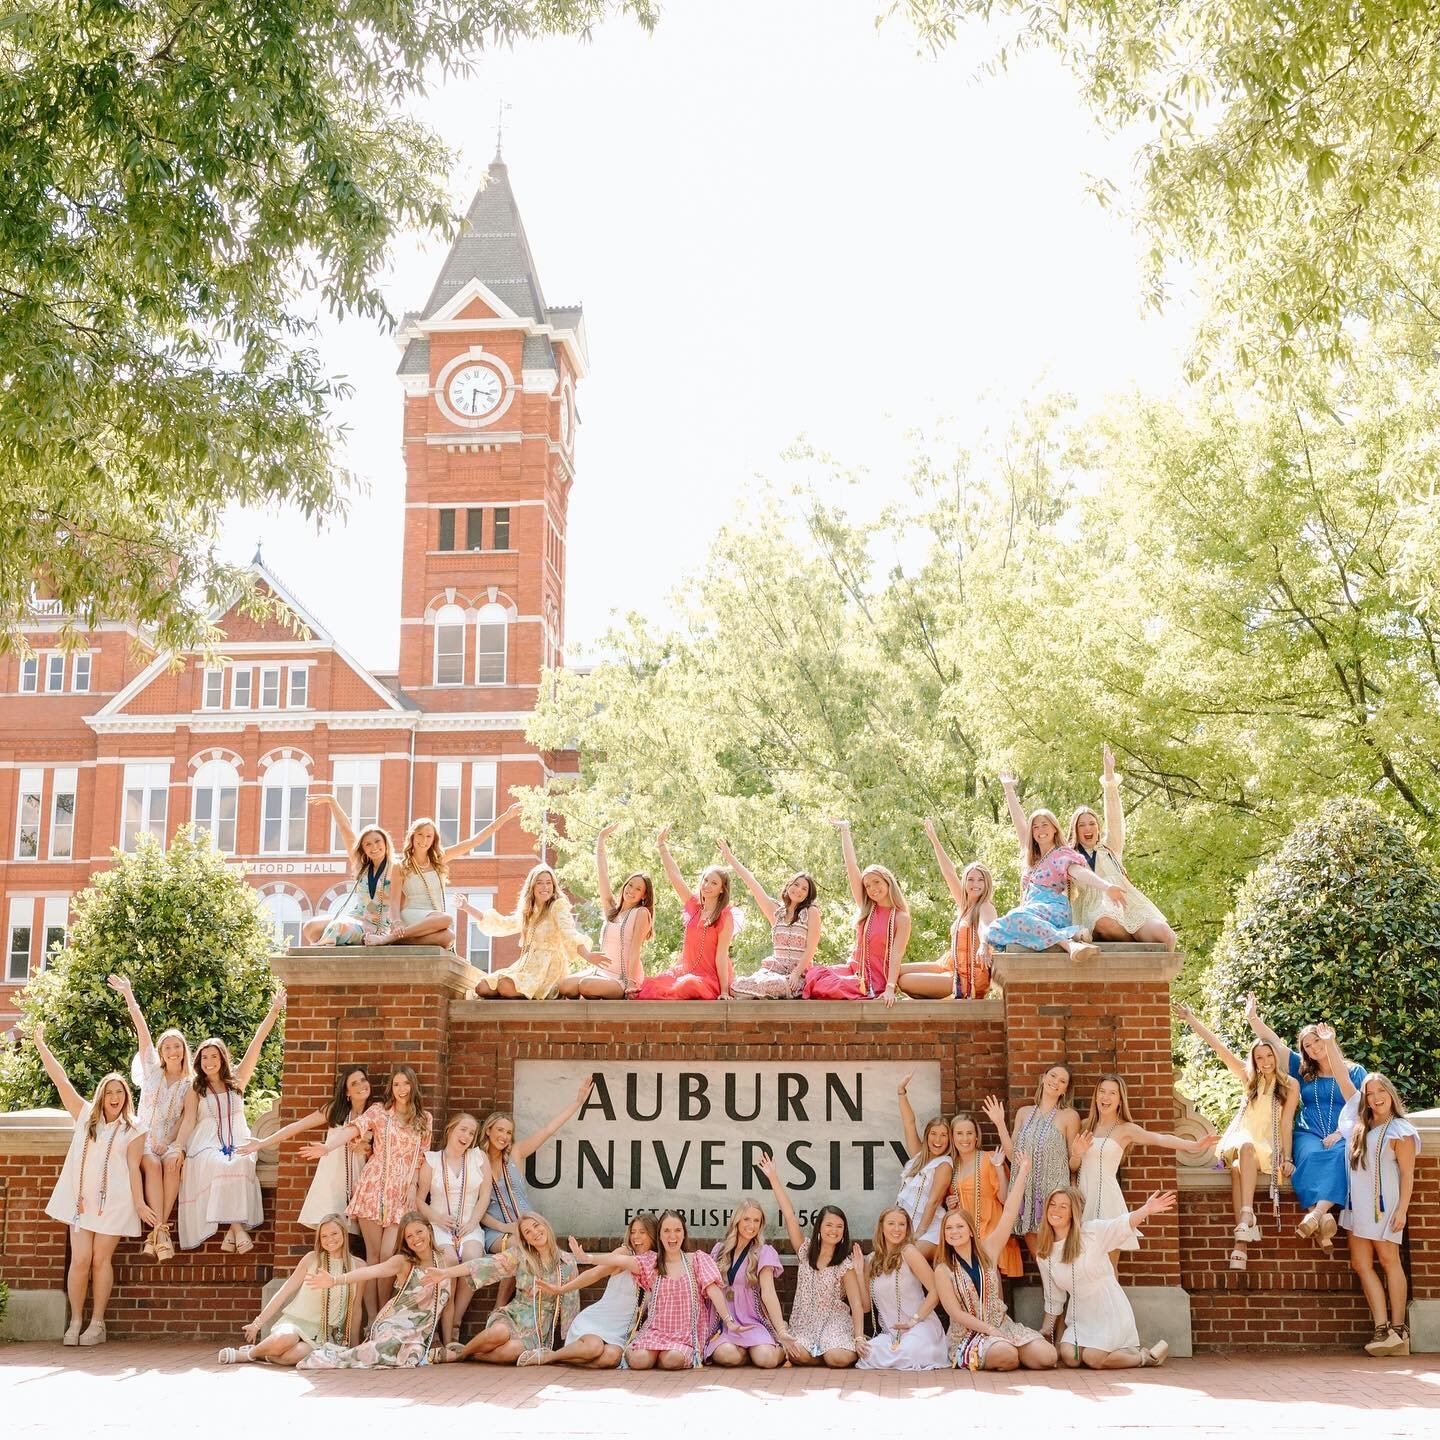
454, 1195
982, 1336
218, 1185
882, 931
370, 913
616, 970
162, 1069
403, 1333
827, 1318
100, 1194
794, 920
424, 865
1259, 1138
1137, 917
979, 1185
1042, 920
704, 970
308, 1317
549, 940
964, 973
1321, 1181
1044, 1130
926, 1177
1076, 1269
899, 1286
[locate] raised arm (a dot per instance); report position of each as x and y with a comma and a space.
70, 1097
1157, 1204
672, 870
523, 1149
337, 814
1017, 819
1338, 1068
995, 1114
947, 866
246, 1070
852, 865
1257, 1024
766, 1166
1114, 838
481, 836
602, 867
121, 986
289, 1132
1232, 1061
990, 1248
858, 1261
768, 905
913, 1142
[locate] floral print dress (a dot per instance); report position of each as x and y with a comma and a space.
383, 1194
1042, 919
400, 1337
538, 1321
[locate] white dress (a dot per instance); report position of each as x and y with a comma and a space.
217, 1188
423, 894
453, 1193
612, 1316
1099, 1184
1098, 1316
106, 1166
915, 1192
922, 1347
162, 1103
336, 1176
1360, 1218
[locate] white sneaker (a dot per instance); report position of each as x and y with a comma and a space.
72, 1335
95, 1334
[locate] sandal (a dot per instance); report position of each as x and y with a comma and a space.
243, 1243
1328, 1227
538, 1356
1309, 1225
164, 1246
228, 1243
1155, 1355
1247, 1232
1238, 1259
148, 1248
1083, 954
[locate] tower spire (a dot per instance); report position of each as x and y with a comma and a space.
500, 133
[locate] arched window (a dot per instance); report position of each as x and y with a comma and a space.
289, 913
492, 644
216, 789
450, 645
282, 808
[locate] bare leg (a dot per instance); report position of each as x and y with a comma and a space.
727, 1355
77, 1278
1109, 928
767, 1357
584, 1351
102, 1274
464, 1290
490, 987
1156, 932
1112, 1359
311, 931
428, 929
152, 1178
374, 1236
569, 988
840, 1359
170, 1188
640, 1359
927, 986
1362, 1262
674, 1360
447, 1315
595, 987
1002, 1356
1038, 1355
1248, 1167
1395, 1283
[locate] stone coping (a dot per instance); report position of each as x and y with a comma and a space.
727, 1013
1116, 963
331, 965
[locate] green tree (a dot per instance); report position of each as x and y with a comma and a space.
186, 182
192, 936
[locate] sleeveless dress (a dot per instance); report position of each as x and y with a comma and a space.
978, 1194
421, 894
695, 976
218, 1187
93, 1192
383, 1194
1042, 919
897, 1296
365, 913
1097, 1314
1320, 1174
1098, 1181
820, 1318
509, 1199
1089, 905
1044, 1142
162, 1104
968, 964
865, 976
612, 1317
981, 1294
679, 1317
553, 943
915, 1191
453, 1193
400, 1337
317, 1316
613, 935
1375, 1190
747, 1309
534, 1318
781, 976
333, 1186
1257, 1121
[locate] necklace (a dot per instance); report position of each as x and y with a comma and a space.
104, 1172
429, 893
174, 1093
896, 1337
1035, 1201
693, 1290
1378, 1179
457, 1217
1099, 1182
224, 1126
509, 1209
325, 1328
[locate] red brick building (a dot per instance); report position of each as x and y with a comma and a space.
102, 746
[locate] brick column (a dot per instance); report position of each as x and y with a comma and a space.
1422, 1237
1112, 1016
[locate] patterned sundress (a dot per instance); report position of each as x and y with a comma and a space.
781, 976
981, 1295
383, 1193
537, 1321
680, 1317
400, 1337
365, 915
1043, 918
868, 971
820, 1318
1044, 1142
162, 1104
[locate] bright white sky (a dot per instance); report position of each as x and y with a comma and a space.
781, 223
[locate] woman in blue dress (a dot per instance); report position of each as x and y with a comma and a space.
1321, 1180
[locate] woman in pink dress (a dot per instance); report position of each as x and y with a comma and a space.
882, 931
704, 970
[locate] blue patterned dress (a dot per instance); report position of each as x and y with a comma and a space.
1042, 919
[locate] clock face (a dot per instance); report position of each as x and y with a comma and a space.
565, 417
474, 390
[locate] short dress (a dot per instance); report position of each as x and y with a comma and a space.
1259, 1122
383, 1194
453, 1193
1043, 918
1089, 906
868, 969
509, 1199
747, 1308
400, 1337
547, 953
217, 1186
317, 1316
696, 975
896, 1296
820, 1317
162, 1104
614, 934
1044, 1142
1320, 1174
612, 1317
981, 1294
1098, 1181
680, 1317
422, 893
336, 1178
915, 1191
1097, 1315
535, 1319
1375, 1190
365, 915
978, 1194
967, 962
93, 1192
781, 976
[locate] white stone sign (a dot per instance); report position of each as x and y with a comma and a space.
685, 1136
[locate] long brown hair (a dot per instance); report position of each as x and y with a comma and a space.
227, 1066
1067, 1100
647, 1221
435, 855
647, 900
409, 1218
529, 911
1122, 1110
731, 1242
1309, 1069
946, 1255
711, 915
805, 904
1252, 1074
1032, 848
1365, 1120
419, 1120
360, 860
97, 1104
1045, 1240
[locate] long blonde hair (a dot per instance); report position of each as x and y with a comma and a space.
436, 853
731, 1243
97, 1104
1365, 1120
968, 903
530, 1251
529, 912
868, 906
1122, 1110
1252, 1073
885, 1257
1045, 1240
322, 1262
923, 1157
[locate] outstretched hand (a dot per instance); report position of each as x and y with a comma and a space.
1109, 758
1159, 1202
1252, 1007
994, 1111
606, 831
664, 834
120, 985
1182, 1011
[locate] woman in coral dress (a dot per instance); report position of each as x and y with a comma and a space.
794, 918
978, 1186
549, 940
704, 970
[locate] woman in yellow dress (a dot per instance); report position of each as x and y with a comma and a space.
549, 940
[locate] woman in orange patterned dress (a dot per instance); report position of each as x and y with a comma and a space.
964, 972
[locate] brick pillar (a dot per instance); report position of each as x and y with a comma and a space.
1112, 1016
356, 1005
1422, 1237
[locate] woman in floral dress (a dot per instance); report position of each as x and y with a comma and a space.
370, 913
404, 1330
794, 917
549, 940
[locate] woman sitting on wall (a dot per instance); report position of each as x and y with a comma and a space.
424, 865
794, 920
370, 913
704, 970
964, 973
616, 970
549, 940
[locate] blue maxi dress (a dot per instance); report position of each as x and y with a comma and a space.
1320, 1174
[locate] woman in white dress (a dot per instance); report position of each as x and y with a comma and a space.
925, 1180
218, 1185
1075, 1266
99, 1194
453, 1192
899, 1286
424, 863
616, 970
162, 1070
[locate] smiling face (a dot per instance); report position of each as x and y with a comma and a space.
424, 839
937, 1138
711, 888
1044, 833
975, 884
1107, 1098
749, 1223
1057, 1212
374, 848
672, 1235
462, 1137
796, 891
357, 1089
956, 1231
895, 1227
1377, 1097
1314, 1046
634, 892
638, 1238
534, 1232
112, 1102
1056, 1082
172, 1054
832, 1230
877, 887
400, 1088
502, 1135
964, 1136
1087, 830
1262, 1057
333, 1238
544, 888
417, 1238
210, 1062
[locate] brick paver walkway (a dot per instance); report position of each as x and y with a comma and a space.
144, 1390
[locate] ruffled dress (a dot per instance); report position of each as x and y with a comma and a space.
742, 1295
820, 1317
552, 946
383, 1194
680, 1316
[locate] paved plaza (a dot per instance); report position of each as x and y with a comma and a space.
150, 1389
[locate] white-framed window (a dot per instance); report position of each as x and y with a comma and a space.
282, 808
482, 801
241, 680
216, 793
146, 802
27, 822
476, 942
447, 801
299, 687
356, 784
212, 695
80, 675
54, 673
62, 814
29, 674
450, 645
269, 687
289, 914
492, 642
57, 927
17, 938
